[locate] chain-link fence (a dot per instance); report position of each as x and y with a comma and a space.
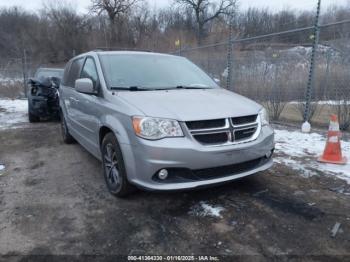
274, 70
12, 76
15, 72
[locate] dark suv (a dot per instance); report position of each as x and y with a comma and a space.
43, 94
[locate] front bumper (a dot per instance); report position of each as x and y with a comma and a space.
43, 106
145, 158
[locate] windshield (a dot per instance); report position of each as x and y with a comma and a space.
150, 71
43, 73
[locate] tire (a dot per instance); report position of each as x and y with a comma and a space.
114, 168
66, 136
32, 118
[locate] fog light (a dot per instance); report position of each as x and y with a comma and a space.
163, 174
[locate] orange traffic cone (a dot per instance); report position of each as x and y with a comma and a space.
332, 153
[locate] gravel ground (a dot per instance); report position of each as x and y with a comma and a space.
53, 201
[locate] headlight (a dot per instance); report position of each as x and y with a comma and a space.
264, 117
156, 128
34, 90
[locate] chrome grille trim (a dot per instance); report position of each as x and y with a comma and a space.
231, 129
244, 126
243, 120
213, 130
207, 124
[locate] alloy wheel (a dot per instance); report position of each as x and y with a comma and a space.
111, 166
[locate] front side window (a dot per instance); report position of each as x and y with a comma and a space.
74, 71
151, 71
89, 71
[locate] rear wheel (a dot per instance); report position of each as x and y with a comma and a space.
114, 168
67, 137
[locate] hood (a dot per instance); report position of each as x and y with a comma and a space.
190, 104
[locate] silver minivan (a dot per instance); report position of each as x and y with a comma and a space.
159, 122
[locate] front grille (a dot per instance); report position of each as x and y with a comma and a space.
224, 131
222, 171
178, 175
243, 120
218, 138
244, 133
205, 124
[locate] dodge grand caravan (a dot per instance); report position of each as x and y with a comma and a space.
159, 122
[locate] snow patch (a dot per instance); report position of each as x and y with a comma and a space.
325, 102
13, 113
2, 167
295, 165
300, 151
204, 209
9, 81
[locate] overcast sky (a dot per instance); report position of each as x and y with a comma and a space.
274, 5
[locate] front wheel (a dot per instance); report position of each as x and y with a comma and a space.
114, 168
31, 117
67, 137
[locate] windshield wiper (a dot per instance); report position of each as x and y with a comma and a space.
137, 88
131, 88
192, 87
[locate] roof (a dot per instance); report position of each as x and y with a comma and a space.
50, 69
101, 52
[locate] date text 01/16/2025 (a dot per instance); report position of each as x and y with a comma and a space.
173, 258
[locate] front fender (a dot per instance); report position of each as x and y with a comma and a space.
121, 125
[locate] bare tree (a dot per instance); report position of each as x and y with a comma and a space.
140, 24
115, 9
65, 31
206, 11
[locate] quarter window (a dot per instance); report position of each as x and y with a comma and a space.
74, 71
66, 74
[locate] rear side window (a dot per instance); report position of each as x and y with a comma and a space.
74, 72
89, 71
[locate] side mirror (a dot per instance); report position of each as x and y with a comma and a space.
84, 85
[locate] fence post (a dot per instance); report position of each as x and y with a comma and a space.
229, 58
275, 86
311, 79
325, 82
24, 71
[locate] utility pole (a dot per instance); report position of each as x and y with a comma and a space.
311, 81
